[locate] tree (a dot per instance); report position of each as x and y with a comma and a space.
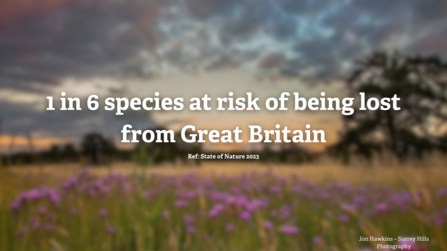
54, 152
97, 148
421, 85
69, 152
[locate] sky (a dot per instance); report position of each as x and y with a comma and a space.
133, 48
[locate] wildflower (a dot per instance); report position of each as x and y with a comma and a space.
31, 195
317, 240
180, 203
53, 196
382, 207
42, 210
190, 229
344, 218
359, 201
229, 227
166, 214
73, 211
285, 212
216, 210
110, 230
150, 193
438, 220
241, 201
15, 205
246, 215
49, 227
275, 189
268, 225
188, 219
103, 213
442, 192
410, 244
70, 183
288, 229
105, 189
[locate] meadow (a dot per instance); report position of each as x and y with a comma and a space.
231, 206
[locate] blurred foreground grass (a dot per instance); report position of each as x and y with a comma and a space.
222, 206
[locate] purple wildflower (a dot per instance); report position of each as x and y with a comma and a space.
35, 224
15, 205
344, 218
31, 195
381, 207
190, 229
181, 203
229, 227
103, 213
275, 189
73, 211
288, 229
442, 192
24, 230
410, 244
268, 225
53, 196
438, 220
317, 240
50, 227
216, 210
42, 210
188, 219
110, 230
246, 215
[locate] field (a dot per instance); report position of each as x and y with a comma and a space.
231, 206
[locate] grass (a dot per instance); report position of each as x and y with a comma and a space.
223, 206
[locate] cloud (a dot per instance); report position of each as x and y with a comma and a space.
138, 39
80, 39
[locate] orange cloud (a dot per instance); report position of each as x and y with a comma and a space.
19, 143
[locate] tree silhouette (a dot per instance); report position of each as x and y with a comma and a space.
54, 153
97, 148
421, 84
69, 152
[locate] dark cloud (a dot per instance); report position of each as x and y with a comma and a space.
80, 39
206, 9
84, 38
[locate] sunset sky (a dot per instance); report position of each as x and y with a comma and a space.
133, 48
